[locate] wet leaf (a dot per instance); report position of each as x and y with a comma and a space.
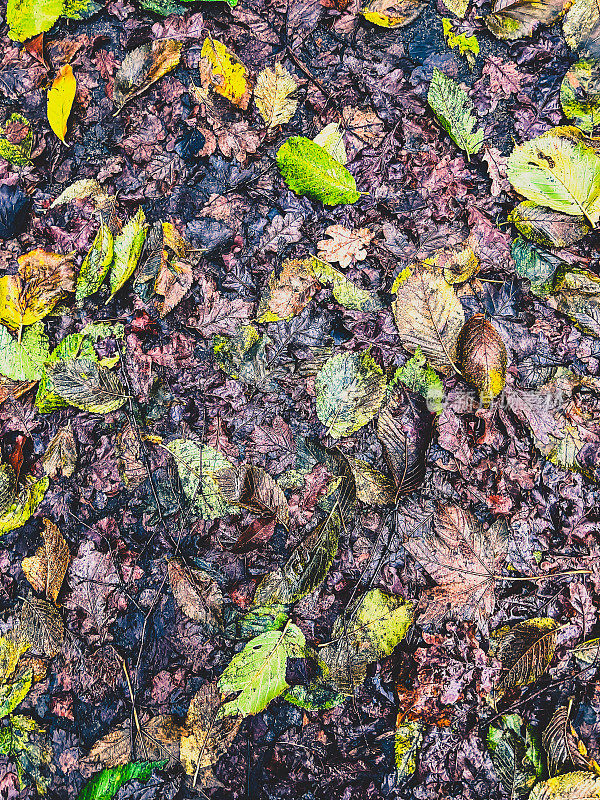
372, 486
24, 741
42, 626
254, 489
347, 294
173, 282
407, 741
482, 357
562, 744
581, 27
587, 652
350, 388
572, 786
24, 505
525, 651
393, 13
107, 783
580, 94
559, 172
85, 384
74, 345
198, 467
224, 73
196, 593
8, 482
127, 249
428, 316
46, 570
314, 698
12, 694
546, 227
331, 139
96, 264
274, 95
344, 245
27, 18
467, 46
129, 451
516, 19
60, 100
14, 210
417, 376
578, 295
60, 457
143, 67
20, 153
463, 560
289, 292
257, 673
516, 754
537, 265
309, 170
455, 112
378, 623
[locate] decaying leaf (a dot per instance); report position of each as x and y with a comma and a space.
274, 95
143, 66
547, 227
253, 488
196, 593
455, 112
587, 652
96, 264
393, 13
572, 786
482, 357
224, 73
24, 741
350, 388
42, 626
516, 754
309, 170
467, 46
580, 94
60, 457
173, 282
24, 504
347, 293
85, 384
562, 744
60, 100
289, 292
525, 651
372, 486
516, 19
8, 482
331, 139
129, 450
464, 560
127, 249
17, 152
407, 741
428, 316
581, 27
46, 570
578, 297
198, 467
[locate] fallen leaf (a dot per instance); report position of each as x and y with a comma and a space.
393, 13
60, 457
273, 95
254, 489
42, 626
482, 357
516, 19
289, 292
60, 100
143, 67
525, 651
309, 170
224, 73
344, 245
455, 112
46, 570
196, 593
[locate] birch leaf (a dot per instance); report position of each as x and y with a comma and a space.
273, 95
455, 112
308, 169
60, 100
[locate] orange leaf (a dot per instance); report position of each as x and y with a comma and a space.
60, 100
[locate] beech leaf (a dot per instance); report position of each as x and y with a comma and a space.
482, 357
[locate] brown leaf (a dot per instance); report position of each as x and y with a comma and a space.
196, 593
289, 293
42, 626
482, 357
526, 650
60, 457
562, 743
159, 738
174, 281
253, 488
46, 570
463, 559
131, 467
13, 389
344, 245
143, 66
49, 270
516, 19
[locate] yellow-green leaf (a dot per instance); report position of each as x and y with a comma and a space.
23, 360
127, 249
27, 18
25, 504
393, 13
96, 264
455, 112
308, 169
60, 100
580, 94
572, 786
221, 70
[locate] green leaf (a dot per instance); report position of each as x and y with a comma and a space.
107, 783
7, 486
27, 18
558, 171
243, 356
345, 292
80, 9
11, 694
468, 46
572, 786
163, 7
18, 154
72, 346
407, 742
24, 741
96, 264
306, 567
419, 377
580, 94
581, 27
309, 170
258, 671
24, 360
314, 698
127, 249
537, 265
350, 389
379, 622
455, 112
25, 504
547, 227
197, 467
85, 384
516, 754
262, 619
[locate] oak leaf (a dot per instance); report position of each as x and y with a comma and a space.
344, 245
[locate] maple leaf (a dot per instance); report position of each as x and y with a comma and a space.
344, 245
464, 560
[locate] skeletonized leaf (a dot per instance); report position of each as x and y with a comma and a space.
547, 227
572, 786
562, 743
207, 735
429, 316
393, 13
516, 19
305, 569
27, 18
257, 673
196, 593
309, 170
463, 559
273, 95
482, 357
143, 66
42, 626
96, 264
85, 384
405, 430
60, 457
222, 71
350, 388
60, 100
516, 754
526, 650
46, 570
253, 488
197, 467
560, 172
127, 249
455, 112
378, 623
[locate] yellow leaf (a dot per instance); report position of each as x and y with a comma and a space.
273, 96
60, 100
225, 73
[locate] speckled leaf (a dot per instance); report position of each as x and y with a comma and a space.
25, 503
580, 94
27, 18
197, 467
24, 360
127, 249
455, 112
309, 170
